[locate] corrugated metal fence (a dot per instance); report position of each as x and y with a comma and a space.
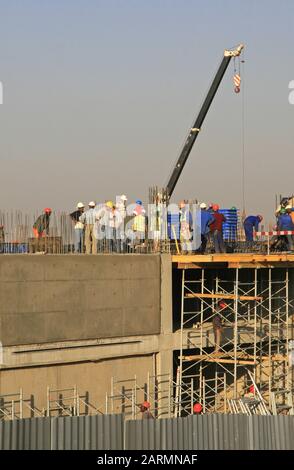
25, 434
64, 433
111, 432
212, 432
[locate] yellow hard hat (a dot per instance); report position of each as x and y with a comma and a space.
110, 204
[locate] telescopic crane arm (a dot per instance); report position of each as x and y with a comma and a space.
194, 131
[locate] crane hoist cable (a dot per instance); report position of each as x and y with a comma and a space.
243, 135
237, 89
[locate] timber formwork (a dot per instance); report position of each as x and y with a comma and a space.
257, 329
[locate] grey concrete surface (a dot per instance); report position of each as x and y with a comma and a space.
47, 298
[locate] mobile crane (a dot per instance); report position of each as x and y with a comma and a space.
194, 131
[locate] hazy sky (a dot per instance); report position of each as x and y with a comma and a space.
99, 96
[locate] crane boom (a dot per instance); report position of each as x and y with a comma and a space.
194, 131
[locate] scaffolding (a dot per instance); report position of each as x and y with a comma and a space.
15, 405
257, 325
127, 395
69, 402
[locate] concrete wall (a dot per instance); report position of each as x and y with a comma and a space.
91, 378
71, 297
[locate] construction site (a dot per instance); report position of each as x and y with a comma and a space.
145, 333
100, 335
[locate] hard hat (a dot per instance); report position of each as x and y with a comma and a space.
139, 202
251, 388
197, 408
109, 204
215, 207
222, 304
47, 210
123, 197
146, 404
80, 205
260, 217
203, 205
233, 208
92, 204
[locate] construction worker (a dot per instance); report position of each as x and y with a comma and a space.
251, 223
216, 229
41, 225
250, 393
290, 211
283, 204
88, 219
79, 228
217, 324
206, 220
197, 409
2, 239
145, 410
120, 215
185, 227
156, 225
110, 226
285, 223
251, 389
139, 224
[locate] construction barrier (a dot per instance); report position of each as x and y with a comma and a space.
274, 233
112, 432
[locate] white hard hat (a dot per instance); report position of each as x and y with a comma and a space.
92, 204
203, 205
124, 197
80, 205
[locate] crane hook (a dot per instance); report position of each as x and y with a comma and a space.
237, 82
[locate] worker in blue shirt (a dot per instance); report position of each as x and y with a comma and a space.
251, 222
285, 223
206, 220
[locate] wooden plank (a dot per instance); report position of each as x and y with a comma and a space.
233, 258
241, 362
222, 357
222, 296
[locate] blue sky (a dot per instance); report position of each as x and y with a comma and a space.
99, 97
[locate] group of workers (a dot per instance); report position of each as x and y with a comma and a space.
146, 413
116, 226
120, 226
212, 221
109, 223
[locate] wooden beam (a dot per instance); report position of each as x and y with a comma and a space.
241, 362
240, 258
228, 358
222, 296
